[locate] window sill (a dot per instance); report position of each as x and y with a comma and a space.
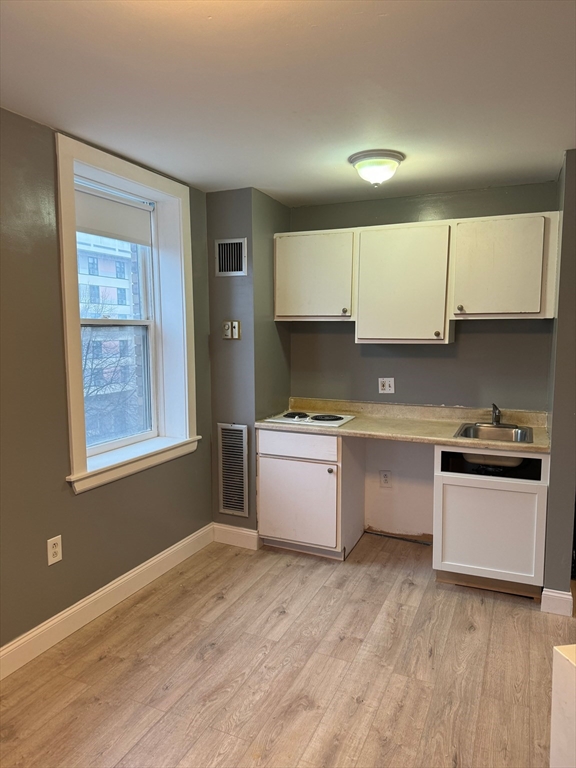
113, 465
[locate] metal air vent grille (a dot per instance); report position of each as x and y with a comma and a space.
232, 469
231, 257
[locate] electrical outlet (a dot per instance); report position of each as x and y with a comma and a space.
385, 478
54, 550
385, 386
227, 329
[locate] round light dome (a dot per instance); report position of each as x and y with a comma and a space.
376, 165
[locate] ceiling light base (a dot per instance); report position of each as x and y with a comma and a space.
376, 165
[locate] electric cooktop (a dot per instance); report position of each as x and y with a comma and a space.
303, 419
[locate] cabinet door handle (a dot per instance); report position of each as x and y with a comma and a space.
460, 308
330, 470
345, 310
437, 334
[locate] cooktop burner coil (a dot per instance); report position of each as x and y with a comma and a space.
295, 415
326, 417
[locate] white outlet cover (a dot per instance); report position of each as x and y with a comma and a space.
54, 550
386, 386
385, 478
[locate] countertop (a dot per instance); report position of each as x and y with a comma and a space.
417, 424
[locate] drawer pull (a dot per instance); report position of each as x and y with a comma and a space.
330, 470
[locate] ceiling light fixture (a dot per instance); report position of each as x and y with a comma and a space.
376, 165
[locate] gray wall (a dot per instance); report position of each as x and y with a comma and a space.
494, 201
502, 361
498, 361
111, 529
271, 340
229, 215
560, 521
250, 377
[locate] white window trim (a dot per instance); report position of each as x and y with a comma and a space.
175, 379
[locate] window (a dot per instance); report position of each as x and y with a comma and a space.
130, 373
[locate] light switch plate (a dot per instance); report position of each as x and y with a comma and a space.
386, 386
227, 329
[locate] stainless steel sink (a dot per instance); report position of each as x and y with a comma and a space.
506, 432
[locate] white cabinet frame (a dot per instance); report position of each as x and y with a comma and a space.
549, 288
304, 286
413, 305
495, 537
342, 459
548, 283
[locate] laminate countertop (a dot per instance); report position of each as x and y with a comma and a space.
417, 424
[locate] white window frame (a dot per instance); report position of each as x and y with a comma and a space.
173, 335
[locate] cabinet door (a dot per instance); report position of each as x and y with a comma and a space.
313, 275
490, 528
402, 283
297, 501
499, 266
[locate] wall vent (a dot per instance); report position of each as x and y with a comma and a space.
231, 257
233, 469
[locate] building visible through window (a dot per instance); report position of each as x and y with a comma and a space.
130, 358
115, 358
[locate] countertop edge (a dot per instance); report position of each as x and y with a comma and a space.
458, 442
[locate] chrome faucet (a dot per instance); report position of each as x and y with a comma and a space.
495, 414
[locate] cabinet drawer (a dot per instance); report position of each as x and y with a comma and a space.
297, 445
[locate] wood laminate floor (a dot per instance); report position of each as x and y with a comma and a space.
241, 659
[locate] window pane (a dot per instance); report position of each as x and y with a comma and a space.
111, 277
115, 367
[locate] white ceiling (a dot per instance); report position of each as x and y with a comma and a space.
275, 94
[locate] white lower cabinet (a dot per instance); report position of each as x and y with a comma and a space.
490, 526
298, 500
310, 491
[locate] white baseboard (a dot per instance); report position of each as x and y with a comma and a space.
238, 537
23, 649
554, 601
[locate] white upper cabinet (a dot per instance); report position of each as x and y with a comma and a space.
313, 277
407, 283
402, 284
500, 266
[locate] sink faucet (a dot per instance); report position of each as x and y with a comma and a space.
495, 414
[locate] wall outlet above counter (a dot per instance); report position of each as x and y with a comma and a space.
386, 386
